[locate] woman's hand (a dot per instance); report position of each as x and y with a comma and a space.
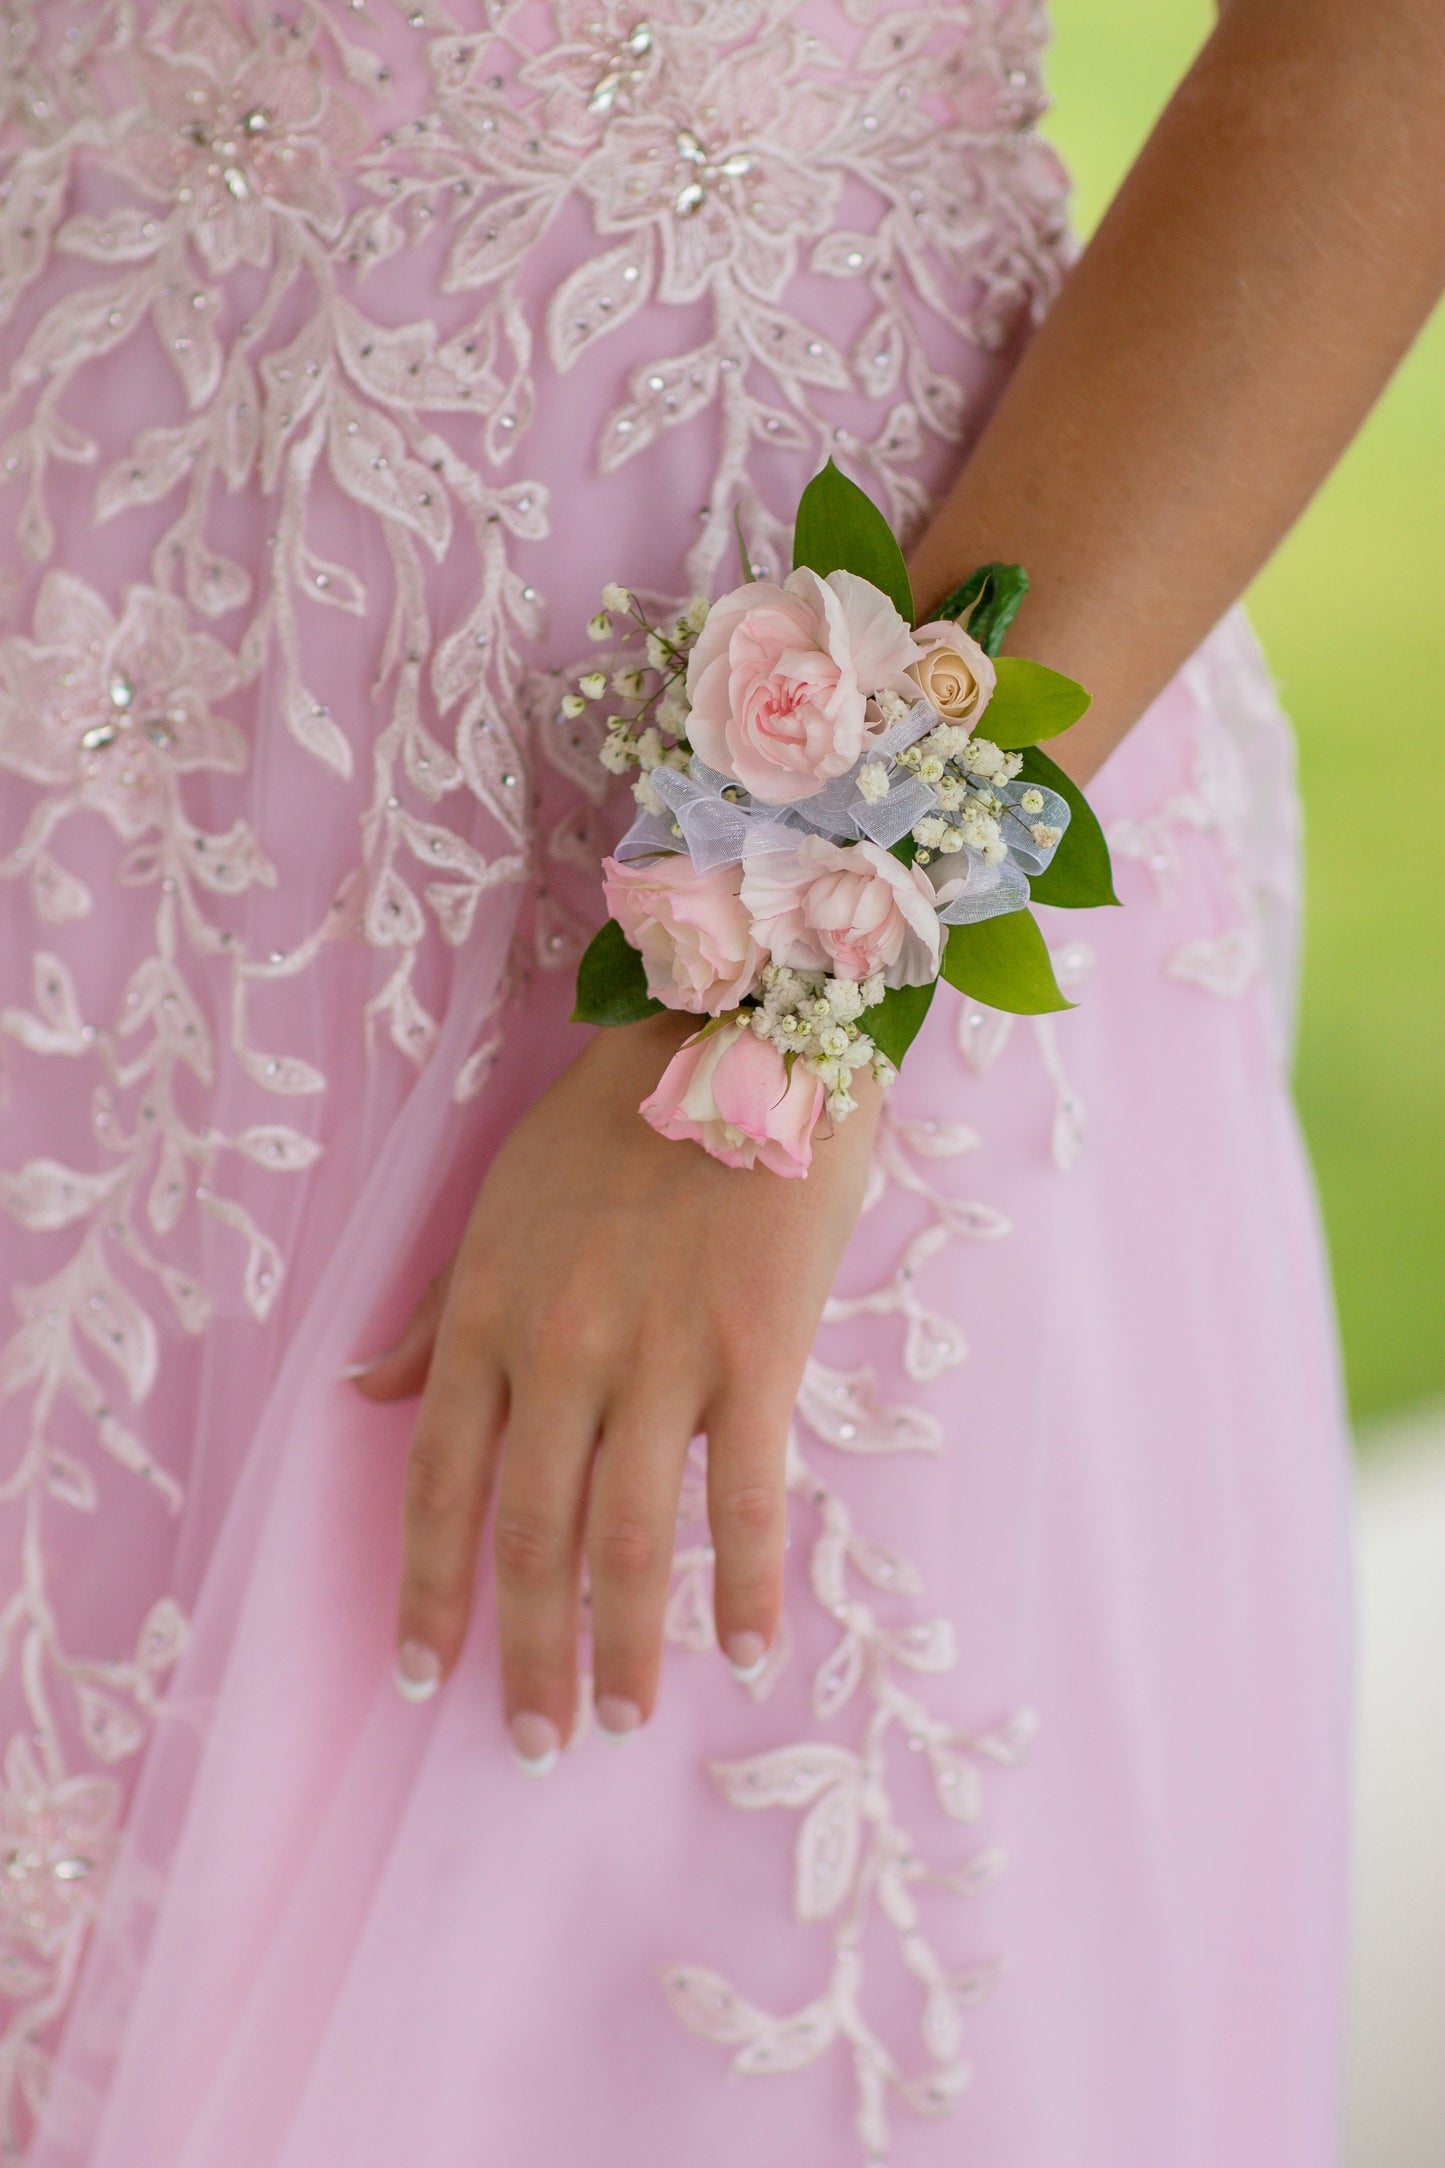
613, 1295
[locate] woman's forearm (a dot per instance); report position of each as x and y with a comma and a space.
1267, 262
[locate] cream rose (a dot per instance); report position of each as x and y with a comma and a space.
851, 909
779, 680
691, 929
732, 1093
953, 673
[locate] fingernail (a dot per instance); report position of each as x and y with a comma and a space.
535, 1741
418, 1671
745, 1654
359, 1370
617, 1718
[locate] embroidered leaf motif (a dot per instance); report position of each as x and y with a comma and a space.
370, 461
660, 396
709, 2007
311, 724
46, 1195
118, 1326
111, 1730
272, 1144
786, 1776
827, 1853
69, 1481
957, 1781
163, 1635
158, 461
788, 2043
603, 292
837, 1677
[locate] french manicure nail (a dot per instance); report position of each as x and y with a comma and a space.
745, 1654
535, 1742
418, 1671
617, 1718
359, 1370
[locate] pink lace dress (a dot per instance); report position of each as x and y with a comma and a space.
348, 347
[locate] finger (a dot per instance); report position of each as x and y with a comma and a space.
449, 1480
537, 1543
631, 1534
747, 1509
400, 1370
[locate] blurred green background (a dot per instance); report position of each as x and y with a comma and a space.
1352, 612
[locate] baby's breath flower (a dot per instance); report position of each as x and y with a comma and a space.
696, 614
873, 781
930, 831
1010, 763
872, 990
615, 597
593, 685
995, 851
647, 797
841, 1103
573, 705
1032, 801
629, 683
649, 748
615, 752
672, 708
981, 757
930, 769
599, 627
1045, 836
949, 794
891, 705
657, 654
950, 842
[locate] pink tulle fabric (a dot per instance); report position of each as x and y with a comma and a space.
347, 351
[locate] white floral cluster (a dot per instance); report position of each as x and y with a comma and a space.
965, 775
814, 1019
649, 729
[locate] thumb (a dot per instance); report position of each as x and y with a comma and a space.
399, 1372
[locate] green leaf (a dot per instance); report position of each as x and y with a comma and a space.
747, 563
839, 529
990, 599
611, 982
1029, 703
893, 1023
1079, 875
1004, 963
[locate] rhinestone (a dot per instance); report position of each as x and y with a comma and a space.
122, 692
73, 1869
98, 735
236, 181
255, 121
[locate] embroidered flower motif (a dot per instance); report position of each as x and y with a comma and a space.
235, 133
56, 1842
725, 166
115, 708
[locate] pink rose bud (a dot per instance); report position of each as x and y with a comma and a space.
693, 934
732, 1093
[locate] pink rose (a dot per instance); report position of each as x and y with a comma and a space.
780, 676
732, 1093
693, 933
953, 673
848, 908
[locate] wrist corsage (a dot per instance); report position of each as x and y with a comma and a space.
836, 808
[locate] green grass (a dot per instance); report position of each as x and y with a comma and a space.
1352, 611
